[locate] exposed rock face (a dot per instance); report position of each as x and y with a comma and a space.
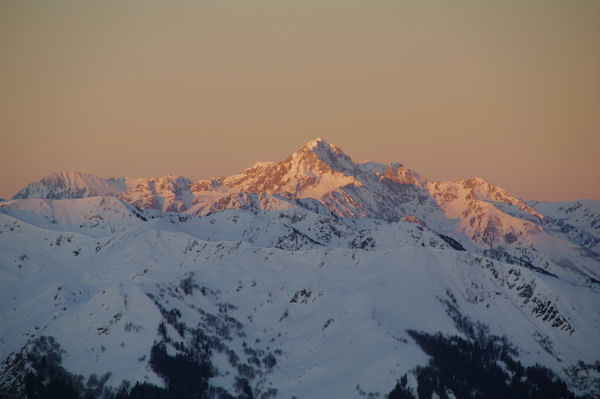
168, 194
474, 203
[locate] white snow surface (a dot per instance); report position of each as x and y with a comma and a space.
577, 221
321, 261
97, 291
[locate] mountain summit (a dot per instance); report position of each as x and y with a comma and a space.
323, 172
65, 185
312, 171
285, 279
473, 213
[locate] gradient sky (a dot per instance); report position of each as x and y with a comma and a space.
505, 90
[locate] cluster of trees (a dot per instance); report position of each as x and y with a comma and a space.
478, 367
186, 376
48, 379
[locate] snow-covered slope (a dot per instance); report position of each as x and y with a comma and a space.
322, 172
322, 310
320, 177
64, 185
168, 193
577, 221
322, 294
291, 276
94, 216
508, 229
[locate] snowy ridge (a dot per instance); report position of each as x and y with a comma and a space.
95, 216
295, 274
64, 185
482, 217
168, 194
335, 292
576, 221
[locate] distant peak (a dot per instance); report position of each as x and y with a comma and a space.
315, 142
317, 153
67, 184
67, 175
319, 144
64, 173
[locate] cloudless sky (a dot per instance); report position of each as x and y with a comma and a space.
505, 90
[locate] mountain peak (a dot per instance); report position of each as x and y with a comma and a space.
319, 144
313, 170
66, 175
318, 155
315, 142
68, 184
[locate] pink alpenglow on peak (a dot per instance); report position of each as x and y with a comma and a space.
321, 174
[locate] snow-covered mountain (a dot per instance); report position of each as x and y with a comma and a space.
311, 277
322, 172
68, 185
168, 194
576, 221
476, 214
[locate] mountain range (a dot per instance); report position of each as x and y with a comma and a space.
311, 277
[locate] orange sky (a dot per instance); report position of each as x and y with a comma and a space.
509, 91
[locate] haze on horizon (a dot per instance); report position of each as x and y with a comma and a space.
508, 91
